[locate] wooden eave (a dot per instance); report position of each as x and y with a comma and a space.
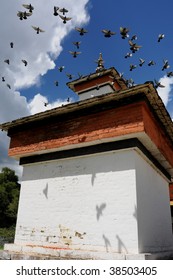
145, 91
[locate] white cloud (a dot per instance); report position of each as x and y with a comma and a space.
40, 50
40, 103
166, 91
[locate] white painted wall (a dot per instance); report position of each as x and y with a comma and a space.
60, 202
153, 209
110, 202
95, 92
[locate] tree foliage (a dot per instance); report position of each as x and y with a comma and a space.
9, 197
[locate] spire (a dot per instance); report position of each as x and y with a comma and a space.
100, 63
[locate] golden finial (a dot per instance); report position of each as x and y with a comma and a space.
100, 63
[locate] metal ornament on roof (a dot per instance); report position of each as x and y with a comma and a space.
100, 63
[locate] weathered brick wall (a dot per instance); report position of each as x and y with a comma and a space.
65, 131
61, 132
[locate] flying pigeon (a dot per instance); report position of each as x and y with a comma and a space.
37, 29
29, 7
45, 104
68, 99
108, 33
132, 66
77, 44
158, 84
25, 62
63, 11
124, 32
165, 65
142, 61
11, 44
121, 75
80, 75
130, 83
81, 31
23, 15
7, 61
134, 47
134, 37
74, 54
151, 62
128, 55
20, 15
8, 86
55, 11
70, 76
56, 83
170, 74
160, 37
3, 79
64, 18
60, 68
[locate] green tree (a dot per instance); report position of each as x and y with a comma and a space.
9, 197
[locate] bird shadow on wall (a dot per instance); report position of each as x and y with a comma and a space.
135, 213
93, 176
99, 210
107, 243
45, 191
121, 245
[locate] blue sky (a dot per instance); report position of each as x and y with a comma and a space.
33, 85
146, 19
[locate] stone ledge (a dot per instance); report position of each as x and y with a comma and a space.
25, 253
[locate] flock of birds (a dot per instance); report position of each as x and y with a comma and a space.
124, 33
134, 47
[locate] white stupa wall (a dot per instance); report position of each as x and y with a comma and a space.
101, 202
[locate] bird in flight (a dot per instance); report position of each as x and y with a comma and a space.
7, 61
130, 83
55, 10
38, 29
56, 83
124, 32
61, 68
24, 62
132, 66
165, 65
151, 63
128, 55
77, 44
11, 44
8, 86
158, 84
108, 33
3, 79
134, 47
29, 7
64, 18
74, 54
68, 99
81, 31
169, 74
70, 76
142, 61
63, 11
23, 15
160, 37
134, 37
80, 75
